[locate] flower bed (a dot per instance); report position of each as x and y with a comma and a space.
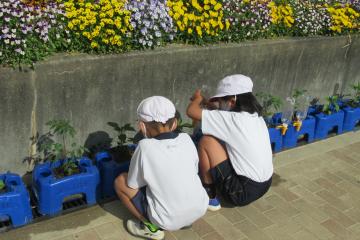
33, 29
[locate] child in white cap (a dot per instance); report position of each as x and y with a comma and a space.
162, 189
235, 151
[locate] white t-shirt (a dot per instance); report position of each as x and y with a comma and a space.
169, 170
247, 141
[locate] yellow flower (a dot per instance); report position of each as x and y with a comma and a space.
213, 14
227, 24
217, 6
70, 25
190, 31
94, 44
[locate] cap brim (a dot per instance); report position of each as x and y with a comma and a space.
217, 96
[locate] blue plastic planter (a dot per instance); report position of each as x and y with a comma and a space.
313, 110
275, 139
109, 169
15, 202
51, 191
326, 123
307, 128
351, 118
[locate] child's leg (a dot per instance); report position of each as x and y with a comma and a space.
126, 193
211, 153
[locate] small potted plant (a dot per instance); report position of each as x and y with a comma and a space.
330, 119
352, 109
303, 125
115, 160
14, 200
271, 105
61, 172
314, 107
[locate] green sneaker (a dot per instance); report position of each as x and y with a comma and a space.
145, 229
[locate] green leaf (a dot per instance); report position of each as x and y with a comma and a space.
2, 184
115, 126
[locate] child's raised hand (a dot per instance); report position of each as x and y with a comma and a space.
197, 96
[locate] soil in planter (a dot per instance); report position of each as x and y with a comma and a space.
3, 190
60, 172
121, 154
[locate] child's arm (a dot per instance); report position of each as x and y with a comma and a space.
194, 110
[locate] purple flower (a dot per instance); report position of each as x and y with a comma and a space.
151, 20
143, 31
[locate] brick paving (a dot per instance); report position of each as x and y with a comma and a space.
315, 195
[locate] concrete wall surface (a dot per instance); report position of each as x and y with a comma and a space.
93, 90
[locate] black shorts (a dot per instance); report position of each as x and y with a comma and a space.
140, 202
237, 189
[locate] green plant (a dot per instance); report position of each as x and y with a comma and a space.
314, 101
2, 185
47, 149
331, 105
181, 124
298, 92
271, 104
122, 152
355, 97
122, 131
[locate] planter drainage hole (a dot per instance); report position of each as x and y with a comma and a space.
302, 139
5, 223
357, 126
333, 131
74, 201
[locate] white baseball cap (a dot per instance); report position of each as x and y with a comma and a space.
156, 108
233, 85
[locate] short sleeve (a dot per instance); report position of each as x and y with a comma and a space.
136, 174
216, 123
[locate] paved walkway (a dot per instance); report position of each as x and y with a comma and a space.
315, 195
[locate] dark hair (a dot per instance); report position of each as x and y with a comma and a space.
157, 125
246, 102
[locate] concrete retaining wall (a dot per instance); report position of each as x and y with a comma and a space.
92, 90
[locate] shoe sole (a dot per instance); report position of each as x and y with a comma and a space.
214, 208
131, 230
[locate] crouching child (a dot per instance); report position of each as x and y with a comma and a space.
162, 188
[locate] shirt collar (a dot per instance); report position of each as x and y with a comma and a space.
167, 135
